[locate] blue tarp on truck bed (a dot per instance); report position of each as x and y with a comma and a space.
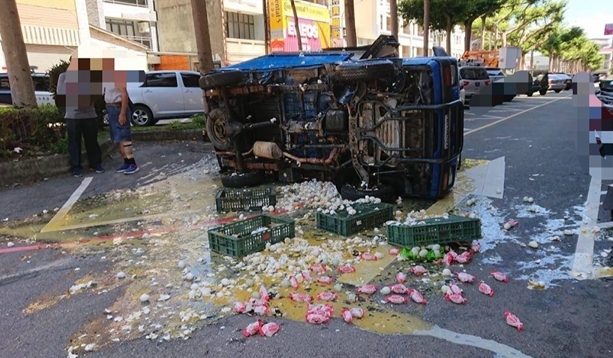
278, 61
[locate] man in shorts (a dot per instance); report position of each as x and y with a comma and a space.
118, 109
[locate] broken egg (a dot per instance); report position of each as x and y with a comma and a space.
446, 272
144, 298
385, 290
533, 244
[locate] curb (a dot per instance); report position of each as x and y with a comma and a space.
35, 169
170, 134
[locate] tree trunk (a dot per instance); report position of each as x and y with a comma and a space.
521, 64
504, 39
17, 64
203, 39
297, 24
550, 67
351, 36
426, 26
266, 27
394, 16
468, 30
482, 44
531, 59
448, 30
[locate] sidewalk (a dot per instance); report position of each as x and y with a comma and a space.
156, 159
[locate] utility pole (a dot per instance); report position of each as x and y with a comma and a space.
16, 55
266, 27
426, 26
394, 16
203, 39
350, 36
297, 25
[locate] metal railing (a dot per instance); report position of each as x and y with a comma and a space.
143, 40
138, 3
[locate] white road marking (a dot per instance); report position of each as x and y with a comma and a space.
53, 223
511, 116
582, 265
499, 349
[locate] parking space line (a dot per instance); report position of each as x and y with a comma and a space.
511, 116
59, 216
582, 264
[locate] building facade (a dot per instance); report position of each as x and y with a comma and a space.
54, 29
134, 20
236, 28
51, 31
372, 18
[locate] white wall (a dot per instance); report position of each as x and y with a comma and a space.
129, 12
134, 60
252, 7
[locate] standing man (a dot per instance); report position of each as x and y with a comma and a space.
118, 109
80, 115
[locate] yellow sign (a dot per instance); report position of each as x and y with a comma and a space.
336, 10
336, 22
308, 11
314, 25
336, 33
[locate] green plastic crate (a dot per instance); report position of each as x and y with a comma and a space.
250, 199
238, 239
435, 231
367, 217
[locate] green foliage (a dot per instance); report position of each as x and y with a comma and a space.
54, 73
199, 119
445, 14
36, 131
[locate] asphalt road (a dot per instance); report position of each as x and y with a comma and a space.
535, 135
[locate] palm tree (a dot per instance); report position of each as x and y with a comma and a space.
351, 36
18, 66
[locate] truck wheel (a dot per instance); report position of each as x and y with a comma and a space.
350, 192
242, 180
542, 92
216, 129
363, 71
221, 79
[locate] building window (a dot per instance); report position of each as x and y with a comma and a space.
126, 29
143, 3
381, 22
120, 27
240, 26
389, 23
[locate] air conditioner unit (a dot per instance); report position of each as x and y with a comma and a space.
143, 27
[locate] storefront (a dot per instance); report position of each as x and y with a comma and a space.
314, 26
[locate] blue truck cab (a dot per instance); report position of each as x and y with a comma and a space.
370, 121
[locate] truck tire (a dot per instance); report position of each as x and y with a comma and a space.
221, 79
216, 131
242, 180
363, 71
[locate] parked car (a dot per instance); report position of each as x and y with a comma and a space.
495, 73
374, 124
557, 83
41, 89
472, 79
568, 80
166, 94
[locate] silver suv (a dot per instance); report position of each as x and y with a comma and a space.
472, 78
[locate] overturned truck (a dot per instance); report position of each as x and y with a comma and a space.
371, 122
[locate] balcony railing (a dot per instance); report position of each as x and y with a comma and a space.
143, 40
138, 3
